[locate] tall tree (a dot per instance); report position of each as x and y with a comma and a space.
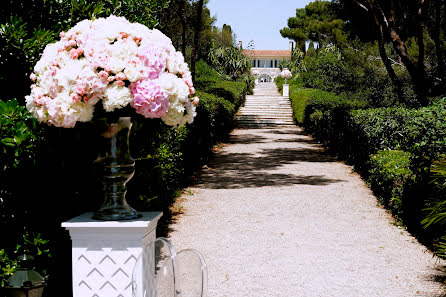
397, 20
316, 22
198, 21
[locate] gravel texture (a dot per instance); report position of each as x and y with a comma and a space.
274, 215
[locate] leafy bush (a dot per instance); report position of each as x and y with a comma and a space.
210, 81
435, 212
229, 60
419, 131
390, 177
326, 70
31, 244
324, 116
17, 135
212, 124
393, 148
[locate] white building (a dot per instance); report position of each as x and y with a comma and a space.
266, 62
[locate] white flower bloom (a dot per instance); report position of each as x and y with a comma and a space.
174, 115
116, 97
132, 73
84, 111
116, 64
81, 27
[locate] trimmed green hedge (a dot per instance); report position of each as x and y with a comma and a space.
210, 81
392, 148
390, 177
325, 114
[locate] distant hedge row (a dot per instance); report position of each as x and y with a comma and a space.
393, 148
397, 150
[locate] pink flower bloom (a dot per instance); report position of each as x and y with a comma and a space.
110, 78
76, 98
154, 61
62, 34
121, 76
53, 70
80, 89
72, 43
191, 90
120, 83
149, 99
66, 45
195, 101
74, 53
103, 75
33, 77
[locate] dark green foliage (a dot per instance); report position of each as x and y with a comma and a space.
325, 114
316, 22
393, 148
390, 177
435, 212
419, 131
210, 81
213, 123
229, 60
17, 135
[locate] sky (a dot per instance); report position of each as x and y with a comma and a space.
258, 20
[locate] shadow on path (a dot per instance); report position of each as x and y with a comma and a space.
232, 170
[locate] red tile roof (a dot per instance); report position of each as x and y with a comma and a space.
266, 53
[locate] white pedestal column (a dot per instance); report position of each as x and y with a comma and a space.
286, 90
104, 253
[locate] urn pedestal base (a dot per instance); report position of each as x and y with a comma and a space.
286, 90
104, 253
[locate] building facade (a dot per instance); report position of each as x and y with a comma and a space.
266, 62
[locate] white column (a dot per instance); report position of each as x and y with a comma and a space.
104, 253
286, 90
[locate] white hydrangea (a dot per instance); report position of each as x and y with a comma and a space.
132, 73
116, 97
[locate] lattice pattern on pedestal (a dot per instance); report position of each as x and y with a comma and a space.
105, 271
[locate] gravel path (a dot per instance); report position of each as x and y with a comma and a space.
274, 215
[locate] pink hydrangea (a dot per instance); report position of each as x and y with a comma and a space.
154, 61
149, 99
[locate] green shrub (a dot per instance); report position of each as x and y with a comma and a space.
210, 81
229, 60
324, 116
18, 136
390, 177
435, 212
421, 132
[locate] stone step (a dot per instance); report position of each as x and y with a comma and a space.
248, 112
265, 108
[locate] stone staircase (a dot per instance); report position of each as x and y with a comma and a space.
266, 108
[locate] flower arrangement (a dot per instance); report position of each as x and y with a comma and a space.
285, 73
117, 63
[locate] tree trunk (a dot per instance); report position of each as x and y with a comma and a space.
183, 26
382, 52
437, 41
196, 37
414, 68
